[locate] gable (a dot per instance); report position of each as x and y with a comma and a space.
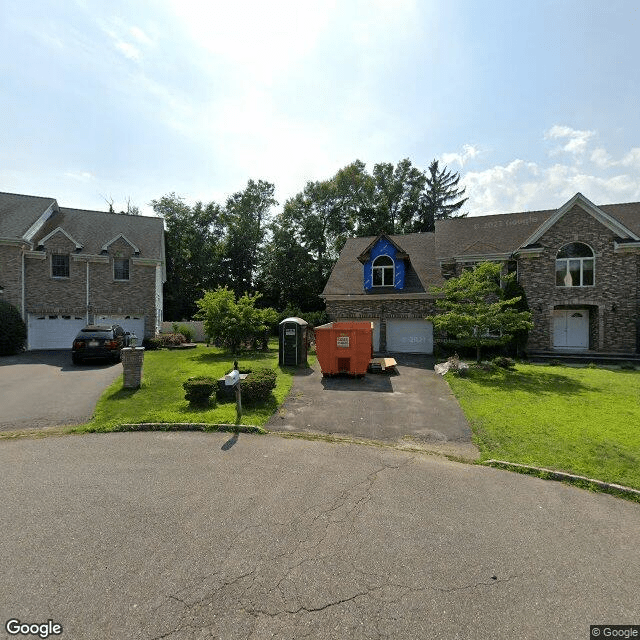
61, 239
582, 204
384, 247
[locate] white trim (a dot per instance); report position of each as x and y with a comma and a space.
486, 257
36, 255
392, 266
378, 296
105, 247
37, 225
626, 247
590, 208
60, 230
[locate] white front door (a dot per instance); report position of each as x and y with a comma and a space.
571, 328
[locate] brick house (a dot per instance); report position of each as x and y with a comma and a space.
579, 266
64, 268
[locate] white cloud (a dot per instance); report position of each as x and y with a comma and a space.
576, 140
79, 175
527, 186
469, 152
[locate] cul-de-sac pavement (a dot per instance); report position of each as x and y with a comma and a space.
190, 535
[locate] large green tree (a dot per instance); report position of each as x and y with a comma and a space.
193, 250
245, 217
474, 308
441, 198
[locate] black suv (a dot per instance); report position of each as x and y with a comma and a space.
99, 341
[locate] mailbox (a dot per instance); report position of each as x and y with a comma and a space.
232, 379
293, 342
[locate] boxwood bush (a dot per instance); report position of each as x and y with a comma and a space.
258, 385
198, 390
13, 332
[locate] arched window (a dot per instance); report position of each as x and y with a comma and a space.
383, 272
575, 265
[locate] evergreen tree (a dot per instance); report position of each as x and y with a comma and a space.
439, 199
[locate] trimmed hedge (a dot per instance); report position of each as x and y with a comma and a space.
171, 339
13, 331
199, 390
258, 385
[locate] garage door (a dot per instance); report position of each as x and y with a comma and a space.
132, 324
53, 331
409, 336
376, 329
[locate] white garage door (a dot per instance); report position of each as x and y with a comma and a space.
53, 331
132, 324
376, 329
409, 336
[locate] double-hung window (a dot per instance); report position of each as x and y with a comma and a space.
575, 266
59, 266
120, 269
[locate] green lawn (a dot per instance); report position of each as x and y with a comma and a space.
580, 420
161, 396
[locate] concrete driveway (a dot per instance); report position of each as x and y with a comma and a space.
43, 389
189, 535
413, 406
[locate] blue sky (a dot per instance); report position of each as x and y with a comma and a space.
529, 101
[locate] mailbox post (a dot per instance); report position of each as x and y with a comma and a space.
233, 380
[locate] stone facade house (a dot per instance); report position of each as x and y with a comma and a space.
64, 268
579, 266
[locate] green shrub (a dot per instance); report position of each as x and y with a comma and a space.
258, 385
504, 363
187, 332
171, 339
13, 331
627, 366
199, 390
152, 344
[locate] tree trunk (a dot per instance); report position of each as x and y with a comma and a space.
478, 353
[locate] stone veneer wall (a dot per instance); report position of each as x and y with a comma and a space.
45, 294
10, 275
613, 301
380, 310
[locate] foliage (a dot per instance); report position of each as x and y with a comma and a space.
235, 324
504, 363
185, 330
258, 385
566, 418
441, 189
152, 344
13, 332
171, 339
199, 390
474, 308
194, 252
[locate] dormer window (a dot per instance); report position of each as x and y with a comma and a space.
575, 265
383, 271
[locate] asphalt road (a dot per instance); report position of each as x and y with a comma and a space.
193, 536
43, 389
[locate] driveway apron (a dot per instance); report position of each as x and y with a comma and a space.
412, 406
44, 389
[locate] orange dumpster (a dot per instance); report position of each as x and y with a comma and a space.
344, 347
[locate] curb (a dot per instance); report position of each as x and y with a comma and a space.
189, 426
561, 475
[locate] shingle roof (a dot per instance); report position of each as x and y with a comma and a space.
347, 277
93, 229
506, 232
18, 213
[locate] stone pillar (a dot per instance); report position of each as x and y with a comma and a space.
132, 360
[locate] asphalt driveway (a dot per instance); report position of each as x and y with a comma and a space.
414, 405
189, 535
43, 389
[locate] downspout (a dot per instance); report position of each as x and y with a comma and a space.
87, 318
23, 293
